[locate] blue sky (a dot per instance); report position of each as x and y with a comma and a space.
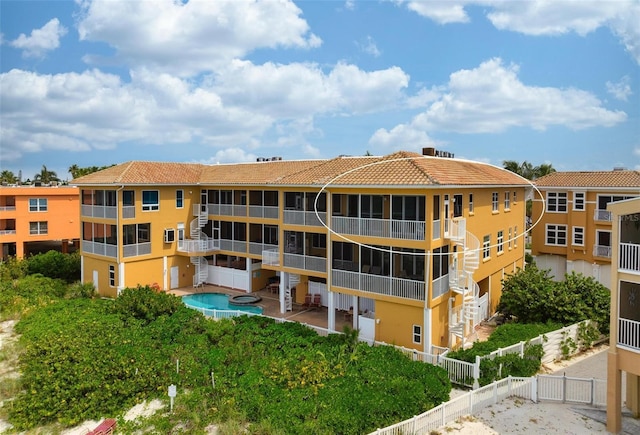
97, 82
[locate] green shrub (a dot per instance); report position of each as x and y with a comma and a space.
12, 268
81, 290
145, 304
19, 296
54, 264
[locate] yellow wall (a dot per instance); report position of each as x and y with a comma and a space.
396, 323
101, 265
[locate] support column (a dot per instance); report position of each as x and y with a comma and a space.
427, 339
614, 387
356, 312
331, 311
633, 394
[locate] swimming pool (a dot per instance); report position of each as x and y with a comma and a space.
217, 301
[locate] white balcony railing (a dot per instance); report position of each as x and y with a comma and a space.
198, 246
301, 217
260, 211
629, 333
629, 254
305, 262
387, 228
7, 232
128, 212
602, 251
384, 285
440, 286
233, 245
257, 248
437, 227
99, 211
136, 249
602, 215
98, 248
8, 208
271, 257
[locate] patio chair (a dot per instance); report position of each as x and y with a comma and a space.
307, 300
316, 302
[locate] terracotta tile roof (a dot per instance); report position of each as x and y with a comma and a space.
398, 169
137, 172
594, 179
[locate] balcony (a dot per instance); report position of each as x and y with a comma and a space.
233, 245
386, 228
263, 211
99, 211
7, 232
8, 208
97, 248
271, 257
629, 334
305, 262
383, 285
602, 251
258, 248
227, 210
299, 217
629, 257
201, 247
128, 212
602, 216
136, 249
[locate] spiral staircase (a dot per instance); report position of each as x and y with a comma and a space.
195, 233
462, 318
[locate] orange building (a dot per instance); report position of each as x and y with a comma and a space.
38, 218
624, 347
574, 232
415, 246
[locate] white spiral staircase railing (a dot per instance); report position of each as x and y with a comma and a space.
195, 232
461, 280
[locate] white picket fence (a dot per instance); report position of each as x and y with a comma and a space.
592, 392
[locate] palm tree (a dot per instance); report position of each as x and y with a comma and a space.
46, 176
8, 177
74, 170
527, 170
543, 169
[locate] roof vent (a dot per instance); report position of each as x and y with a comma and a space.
619, 168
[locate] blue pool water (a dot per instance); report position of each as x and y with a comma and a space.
217, 301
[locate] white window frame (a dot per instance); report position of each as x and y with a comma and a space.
38, 228
509, 238
577, 232
470, 203
151, 206
417, 334
555, 230
38, 204
500, 242
179, 198
515, 236
495, 202
507, 200
112, 275
318, 242
486, 247
554, 203
579, 199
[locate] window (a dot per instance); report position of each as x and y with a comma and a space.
578, 200
436, 207
500, 242
112, 275
515, 236
128, 198
507, 200
470, 203
319, 241
578, 236
371, 206
440, 262
38, 228
457, 205
136, 233
557, 202
417, 334
150, 200
270, 234
494, 201
515, 197
179, 198
509, 239
486, 247
37, 204
556, 235
408, 208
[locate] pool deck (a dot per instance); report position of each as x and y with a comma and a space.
271, 306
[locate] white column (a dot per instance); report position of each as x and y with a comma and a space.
82, 268
284, 283
165, 287
427, 330
120, 277
331, 319
356, 312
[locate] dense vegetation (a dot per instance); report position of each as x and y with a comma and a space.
88, 358
531, 296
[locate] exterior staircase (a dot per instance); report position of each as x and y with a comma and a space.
463, 318
195, 232
294, 280
201, 272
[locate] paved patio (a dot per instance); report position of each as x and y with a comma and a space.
271, 306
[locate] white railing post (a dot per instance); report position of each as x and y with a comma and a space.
534, 389
476, 373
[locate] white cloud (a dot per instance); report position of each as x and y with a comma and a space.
188, 38
41, 40
424, 97
620, 90
441, 12
546, 17
401, 137
231, 155
369, 46
492, 99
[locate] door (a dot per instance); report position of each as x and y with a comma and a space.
446, 215
173, 276
95, 279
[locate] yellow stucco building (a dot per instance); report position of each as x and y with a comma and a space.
624, 348
415, 245
574, 232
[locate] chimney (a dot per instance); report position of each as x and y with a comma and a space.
430, 151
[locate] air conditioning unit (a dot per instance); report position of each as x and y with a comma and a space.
169, 235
